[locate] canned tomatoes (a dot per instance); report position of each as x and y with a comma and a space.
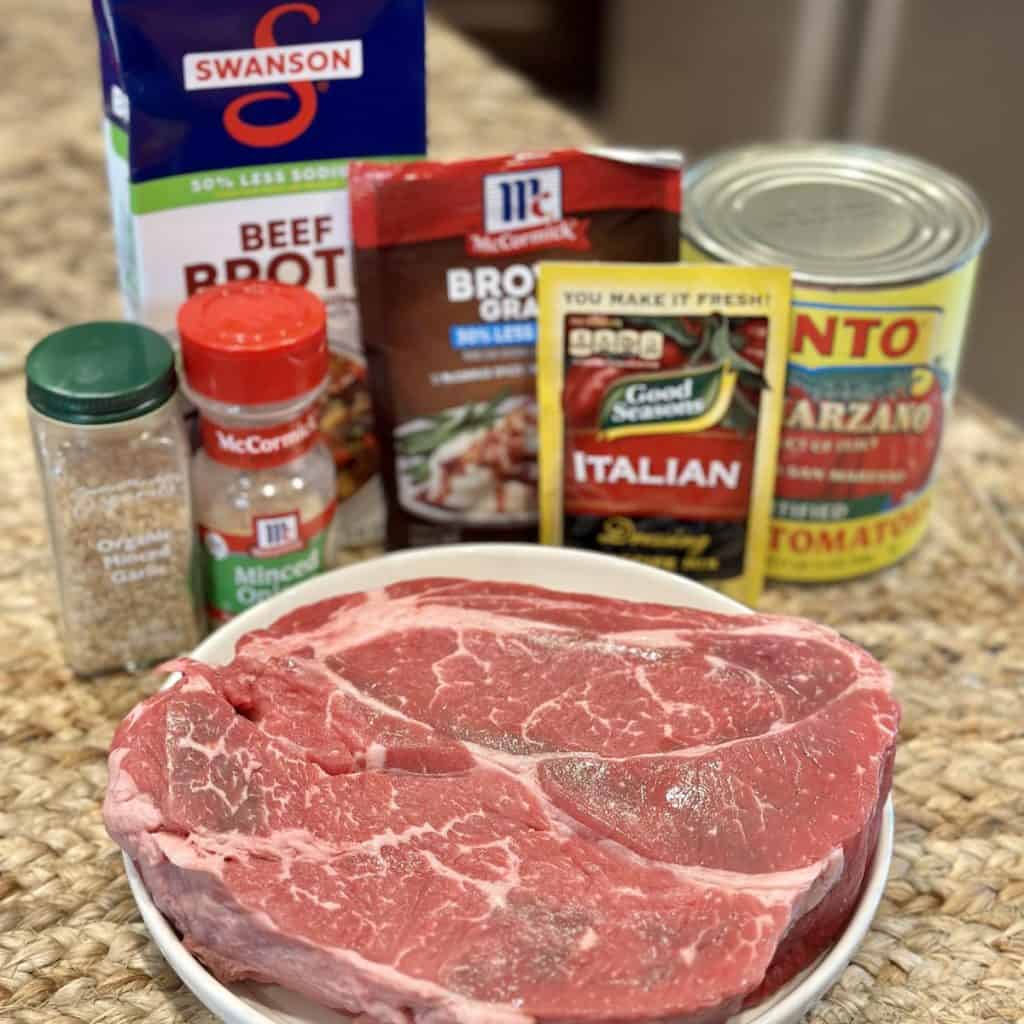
884, 250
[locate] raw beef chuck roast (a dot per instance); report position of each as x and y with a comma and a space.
487, 803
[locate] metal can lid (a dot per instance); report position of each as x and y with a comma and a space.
97, 373
838, 214
253, 342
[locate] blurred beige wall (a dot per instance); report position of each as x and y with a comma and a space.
939, 78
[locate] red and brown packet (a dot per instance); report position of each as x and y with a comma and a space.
661, 394
446, 257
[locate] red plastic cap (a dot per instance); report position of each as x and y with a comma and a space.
253, 342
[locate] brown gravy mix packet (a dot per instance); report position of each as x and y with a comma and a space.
446, 257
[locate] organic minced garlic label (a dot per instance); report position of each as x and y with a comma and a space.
660, 391
113, 458
125, 546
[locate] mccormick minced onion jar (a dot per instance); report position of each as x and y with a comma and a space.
255, 359
884, 250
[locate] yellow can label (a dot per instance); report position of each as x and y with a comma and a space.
870, 378
815, 550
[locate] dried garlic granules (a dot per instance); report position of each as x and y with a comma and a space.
113, 456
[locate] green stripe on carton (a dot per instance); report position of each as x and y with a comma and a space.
119, 140
245, 183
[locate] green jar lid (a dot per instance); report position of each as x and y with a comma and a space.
101, 372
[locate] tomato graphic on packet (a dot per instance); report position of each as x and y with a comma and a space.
755, 334
584, 388
672, 355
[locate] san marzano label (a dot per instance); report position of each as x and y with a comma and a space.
862, 426
827, 336
865, 410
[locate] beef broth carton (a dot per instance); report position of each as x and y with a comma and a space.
229, 129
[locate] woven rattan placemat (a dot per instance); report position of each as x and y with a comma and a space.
948, 943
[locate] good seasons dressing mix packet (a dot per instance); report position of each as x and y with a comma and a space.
229, 127
446, 258
661, 394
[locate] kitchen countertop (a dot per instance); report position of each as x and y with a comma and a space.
948, 942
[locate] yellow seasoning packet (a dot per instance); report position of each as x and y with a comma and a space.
660, 388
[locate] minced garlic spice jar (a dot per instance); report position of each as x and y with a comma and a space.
255, 359
114, 461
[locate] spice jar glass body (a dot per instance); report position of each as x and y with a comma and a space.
255, 360
264, 523
118, 503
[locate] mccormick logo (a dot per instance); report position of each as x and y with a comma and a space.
269, 446
267, 63
523, 210
278, 534
522, 199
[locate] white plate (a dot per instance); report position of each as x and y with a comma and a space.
560, 569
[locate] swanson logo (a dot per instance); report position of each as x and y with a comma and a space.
678, 402
296, 66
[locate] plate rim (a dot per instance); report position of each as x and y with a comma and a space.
230, 1007
263, 614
